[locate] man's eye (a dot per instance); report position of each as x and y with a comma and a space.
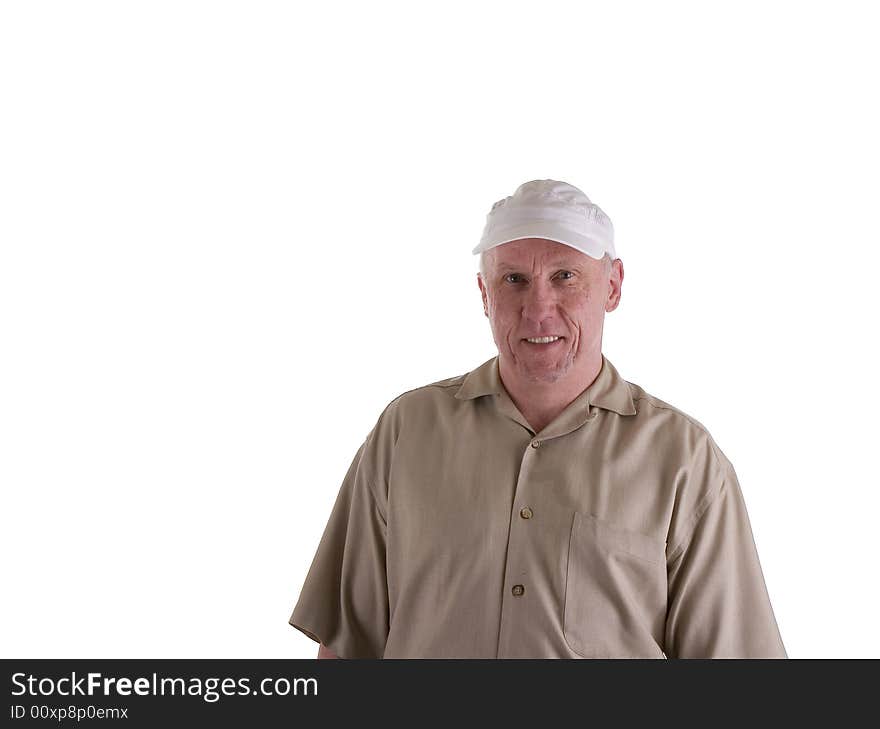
566, 274
512, 278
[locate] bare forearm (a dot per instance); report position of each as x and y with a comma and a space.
325, 652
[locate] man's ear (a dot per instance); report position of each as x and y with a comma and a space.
482, 287
615, 284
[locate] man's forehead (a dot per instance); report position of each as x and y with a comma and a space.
537, 251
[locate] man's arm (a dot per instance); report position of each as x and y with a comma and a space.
344, 597
325, 652
718, 601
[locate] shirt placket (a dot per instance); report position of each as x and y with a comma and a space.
516, 598
514, 601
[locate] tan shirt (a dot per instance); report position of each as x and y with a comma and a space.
617, 531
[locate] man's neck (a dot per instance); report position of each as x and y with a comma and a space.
540, 402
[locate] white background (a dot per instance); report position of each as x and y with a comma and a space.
232, 232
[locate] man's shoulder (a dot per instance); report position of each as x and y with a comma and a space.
421, 407
650, 404
444, 389
445, 384
417, 398
677, 424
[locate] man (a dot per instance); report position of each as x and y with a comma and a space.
539, 506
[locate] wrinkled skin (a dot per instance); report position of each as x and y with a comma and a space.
535, 287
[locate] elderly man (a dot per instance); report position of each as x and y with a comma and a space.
539, 506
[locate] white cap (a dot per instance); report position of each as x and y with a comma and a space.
553, 210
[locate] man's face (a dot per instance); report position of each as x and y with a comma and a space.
539, 288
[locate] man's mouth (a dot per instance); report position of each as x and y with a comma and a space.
543, 340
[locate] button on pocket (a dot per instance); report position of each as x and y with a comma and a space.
615, 591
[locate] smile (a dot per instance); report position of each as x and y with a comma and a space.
542, 340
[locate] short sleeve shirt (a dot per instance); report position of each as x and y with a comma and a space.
617, 531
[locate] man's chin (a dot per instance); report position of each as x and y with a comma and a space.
542, 372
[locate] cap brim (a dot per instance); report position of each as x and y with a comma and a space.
591, 246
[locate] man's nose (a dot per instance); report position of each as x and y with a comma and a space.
539, 302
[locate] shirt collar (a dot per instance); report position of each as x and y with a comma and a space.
608, 391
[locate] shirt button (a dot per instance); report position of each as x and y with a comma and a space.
536, 444
525, 512
518, 590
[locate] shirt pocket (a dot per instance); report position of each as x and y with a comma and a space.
615, 591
